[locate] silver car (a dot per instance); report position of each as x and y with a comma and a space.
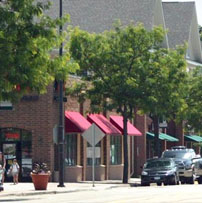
184, 159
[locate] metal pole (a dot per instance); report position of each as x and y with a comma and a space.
93, 164
61, 119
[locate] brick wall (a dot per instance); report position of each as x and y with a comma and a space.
39, 117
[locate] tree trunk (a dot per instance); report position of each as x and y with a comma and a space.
125, 142
156, 137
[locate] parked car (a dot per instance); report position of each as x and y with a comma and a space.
160, 170
183, 157
178, 147
198, 170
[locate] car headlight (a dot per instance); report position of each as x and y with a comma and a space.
144, 173
170, 172
188, 166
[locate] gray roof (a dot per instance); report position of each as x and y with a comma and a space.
178, 17
99, 15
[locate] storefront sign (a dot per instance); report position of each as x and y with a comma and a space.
15, 136
90, 152
30, 98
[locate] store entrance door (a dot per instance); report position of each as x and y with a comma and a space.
11, 151
17, 144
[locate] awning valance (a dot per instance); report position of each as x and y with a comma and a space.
193, 138
75, 122
163, 136
117, 121
103, 123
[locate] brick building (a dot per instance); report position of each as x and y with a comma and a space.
28, 130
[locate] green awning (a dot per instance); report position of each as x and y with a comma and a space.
162, 136
193, 138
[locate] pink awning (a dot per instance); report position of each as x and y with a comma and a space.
75, 122
103, 123
117, 121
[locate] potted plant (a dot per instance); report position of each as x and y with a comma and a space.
40, 176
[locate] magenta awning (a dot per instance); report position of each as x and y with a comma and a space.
75, 122
117, 121
103, 123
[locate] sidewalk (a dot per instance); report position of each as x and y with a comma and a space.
23, 189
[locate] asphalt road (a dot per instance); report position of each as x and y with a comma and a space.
152, 194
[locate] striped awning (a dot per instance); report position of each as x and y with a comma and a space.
162, 136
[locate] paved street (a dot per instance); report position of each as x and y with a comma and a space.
120, 194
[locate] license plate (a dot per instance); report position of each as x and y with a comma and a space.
156, 178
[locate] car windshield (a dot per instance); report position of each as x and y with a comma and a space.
158, 164
177, 154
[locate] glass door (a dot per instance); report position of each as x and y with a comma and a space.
10, 153
17, 144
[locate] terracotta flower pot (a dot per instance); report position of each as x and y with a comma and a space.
40, 181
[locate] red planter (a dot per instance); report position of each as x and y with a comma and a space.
40, 181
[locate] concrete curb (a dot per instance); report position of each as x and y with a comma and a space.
44, 192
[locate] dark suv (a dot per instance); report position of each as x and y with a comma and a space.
160, 170
183, 157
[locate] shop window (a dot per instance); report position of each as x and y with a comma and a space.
26, 152
71, 150
115, 150
97, 160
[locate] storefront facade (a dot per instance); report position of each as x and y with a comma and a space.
26, 131
109, 161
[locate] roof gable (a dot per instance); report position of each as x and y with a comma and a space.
194, 45
99, 15
159, 20
178, 17
181, 22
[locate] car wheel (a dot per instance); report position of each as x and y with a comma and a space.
159, 184
173, 180
200, 180
165, 183
190, 180
183, 182
145, 184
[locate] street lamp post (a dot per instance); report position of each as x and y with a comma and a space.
61, 118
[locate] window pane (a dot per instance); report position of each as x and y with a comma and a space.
26, 147
71, 150
115, 150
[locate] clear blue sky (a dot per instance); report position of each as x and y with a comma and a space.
198, 8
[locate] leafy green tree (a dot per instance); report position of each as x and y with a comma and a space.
194, 100
114, 62
27, 40
77, 89
128, 69
165, 87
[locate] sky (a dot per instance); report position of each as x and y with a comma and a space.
198, 9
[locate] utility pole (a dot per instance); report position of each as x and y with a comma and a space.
61, 117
